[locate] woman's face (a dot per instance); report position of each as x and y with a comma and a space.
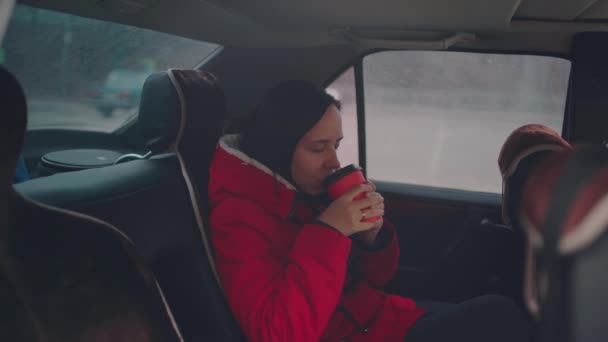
315, 156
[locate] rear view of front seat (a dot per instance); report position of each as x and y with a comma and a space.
71, 277
565, 214
153, 200
200, 100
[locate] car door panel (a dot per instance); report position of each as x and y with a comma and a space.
453, 243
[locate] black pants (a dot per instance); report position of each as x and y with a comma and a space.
489, 318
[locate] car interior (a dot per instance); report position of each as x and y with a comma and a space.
429, 90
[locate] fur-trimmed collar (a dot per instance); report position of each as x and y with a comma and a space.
235, 173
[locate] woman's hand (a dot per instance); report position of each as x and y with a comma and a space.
368, 237
346, 214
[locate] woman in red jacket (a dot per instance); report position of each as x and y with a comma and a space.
296, 267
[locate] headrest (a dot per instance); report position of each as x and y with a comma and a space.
523, 149
164, 108
159, 113
203, 105
14, 120
564, 211
577, 183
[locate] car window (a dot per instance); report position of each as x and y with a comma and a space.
437, 118
86, 74
343, 90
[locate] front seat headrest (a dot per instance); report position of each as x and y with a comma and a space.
178, 106
203, 112
159, 113
523, 149
564, 213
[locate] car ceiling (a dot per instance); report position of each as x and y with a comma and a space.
537, 25
530, 25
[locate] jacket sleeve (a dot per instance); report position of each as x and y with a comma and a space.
276, 292
378, 266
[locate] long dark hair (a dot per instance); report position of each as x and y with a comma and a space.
270, 133
272, 130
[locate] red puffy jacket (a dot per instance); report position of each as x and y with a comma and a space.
283, 275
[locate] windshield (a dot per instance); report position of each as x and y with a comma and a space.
86, 74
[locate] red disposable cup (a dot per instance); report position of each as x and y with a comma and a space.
341, 181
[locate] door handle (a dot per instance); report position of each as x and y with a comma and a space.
488, 223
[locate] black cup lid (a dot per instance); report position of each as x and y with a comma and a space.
343, 172
79, 159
